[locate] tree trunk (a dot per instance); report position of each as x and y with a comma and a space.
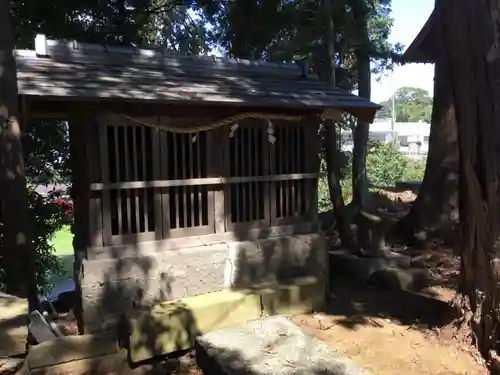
437, 208
470, 48
361, 132
335, 189
19, 271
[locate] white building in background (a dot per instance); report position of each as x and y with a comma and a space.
412, 138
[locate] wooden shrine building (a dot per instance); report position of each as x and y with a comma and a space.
190, 174
423, 49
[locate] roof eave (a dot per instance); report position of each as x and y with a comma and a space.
419, 50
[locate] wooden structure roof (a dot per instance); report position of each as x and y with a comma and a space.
421, 50
67, 70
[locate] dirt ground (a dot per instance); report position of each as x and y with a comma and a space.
393, 333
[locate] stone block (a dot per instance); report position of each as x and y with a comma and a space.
173, 326
115, 287
397, 260
361, 268
272, 345
276, 259
13, 325
398, 279
345, 263
299, 296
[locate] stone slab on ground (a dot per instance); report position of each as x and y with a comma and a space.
398, 279
272, 345
172, 326
342, 261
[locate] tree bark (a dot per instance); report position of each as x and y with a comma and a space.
470, 46
436, 209
361, 132
17, 243
335, 189
330, 145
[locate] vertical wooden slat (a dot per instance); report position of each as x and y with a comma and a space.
282, 163
176, 190
226, 171
244, 171
158, 227
288, 161
126, 155
136, 178
237, 171
192, 173
199, 160
256, 169
293, 163
144, 178
249, 158
298, 163
184, 190
269, 164
106, 202
118, 179
165, 196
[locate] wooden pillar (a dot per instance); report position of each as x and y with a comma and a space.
312, 163
81, 128
80, 180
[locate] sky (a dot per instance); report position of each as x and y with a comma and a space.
409, 17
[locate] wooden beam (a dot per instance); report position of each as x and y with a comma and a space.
200, 181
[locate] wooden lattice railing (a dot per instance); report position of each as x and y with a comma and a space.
155, 184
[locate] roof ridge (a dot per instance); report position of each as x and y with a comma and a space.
47, 47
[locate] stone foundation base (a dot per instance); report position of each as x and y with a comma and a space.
113, 288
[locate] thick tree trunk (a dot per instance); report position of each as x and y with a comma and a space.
436, 209
17, 242
471, 50
361, 132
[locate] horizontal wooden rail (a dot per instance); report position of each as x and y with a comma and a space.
199, 181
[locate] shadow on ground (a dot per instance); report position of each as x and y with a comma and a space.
357, 305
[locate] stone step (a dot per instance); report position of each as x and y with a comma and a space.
272, 345
397, 279
173, 326
361, 268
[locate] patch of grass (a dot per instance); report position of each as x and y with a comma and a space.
63, 242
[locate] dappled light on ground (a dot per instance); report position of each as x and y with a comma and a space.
388, 333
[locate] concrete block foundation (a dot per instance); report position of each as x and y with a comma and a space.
115, 287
